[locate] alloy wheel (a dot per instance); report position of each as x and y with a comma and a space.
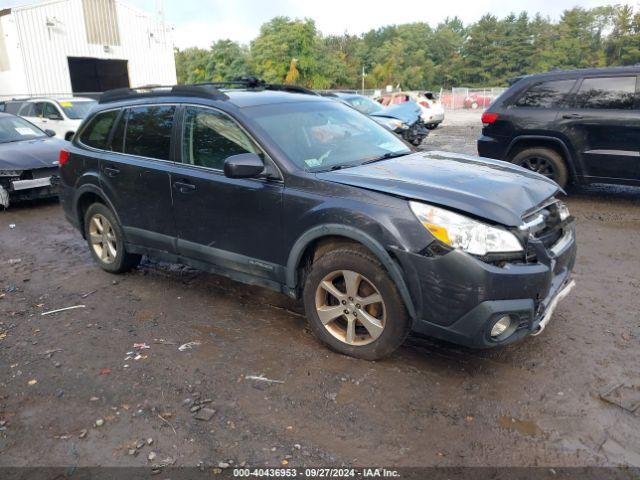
103, 238
540, 165
350, 307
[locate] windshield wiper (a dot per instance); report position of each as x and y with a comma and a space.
386, 156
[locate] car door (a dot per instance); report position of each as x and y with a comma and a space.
603, 125
134, 173
229, 223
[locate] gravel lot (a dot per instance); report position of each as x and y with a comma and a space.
72, 395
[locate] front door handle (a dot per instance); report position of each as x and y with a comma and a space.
572, 116
111, 171
184, 187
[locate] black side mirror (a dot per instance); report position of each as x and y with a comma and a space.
50, 133
244, 165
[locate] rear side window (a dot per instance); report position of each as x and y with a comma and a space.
31, 109
96, 133
149, 131
607, 93
209, 137
546, 94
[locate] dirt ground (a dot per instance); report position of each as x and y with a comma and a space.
73, 394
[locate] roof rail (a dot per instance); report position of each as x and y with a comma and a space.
205, 89
290, 89
198, 90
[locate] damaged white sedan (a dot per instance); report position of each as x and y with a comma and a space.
28, 160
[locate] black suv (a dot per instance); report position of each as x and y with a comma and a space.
307, 196
579, 126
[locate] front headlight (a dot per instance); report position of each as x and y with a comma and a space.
465, 233
563, 211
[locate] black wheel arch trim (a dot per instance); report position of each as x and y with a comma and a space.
571, 161
95, 190
329, 230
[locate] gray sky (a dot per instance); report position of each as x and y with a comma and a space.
199, 22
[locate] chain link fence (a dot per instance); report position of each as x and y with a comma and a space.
452, 99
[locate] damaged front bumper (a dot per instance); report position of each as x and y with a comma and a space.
15, 189
460, 298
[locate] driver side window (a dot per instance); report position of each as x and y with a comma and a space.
209, 137
51, 111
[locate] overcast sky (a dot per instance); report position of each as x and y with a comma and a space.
200, 22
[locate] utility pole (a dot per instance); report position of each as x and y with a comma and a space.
363, 75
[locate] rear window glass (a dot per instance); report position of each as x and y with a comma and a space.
96, 133
546, 94
149, 131
607, 93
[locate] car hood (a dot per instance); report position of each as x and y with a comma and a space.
491, 189
30, 154
408, 112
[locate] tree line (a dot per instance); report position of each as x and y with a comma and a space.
417, 56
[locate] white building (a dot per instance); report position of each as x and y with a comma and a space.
58, 47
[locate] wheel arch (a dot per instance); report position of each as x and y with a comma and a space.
87, 195
521, 142
308, 241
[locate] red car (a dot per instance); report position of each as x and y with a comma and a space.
475, 101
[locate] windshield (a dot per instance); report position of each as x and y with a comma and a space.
77, 110
323, 135
364, 104
15, 129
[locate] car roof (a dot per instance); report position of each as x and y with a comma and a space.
206, 94
579, 73
252, 98
59, 99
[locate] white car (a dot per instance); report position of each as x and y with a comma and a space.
62, 115
432, 111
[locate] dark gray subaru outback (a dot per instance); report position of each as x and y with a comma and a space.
306, 196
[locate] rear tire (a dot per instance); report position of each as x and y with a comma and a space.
363, 314
545, 161
106, 240
432, 126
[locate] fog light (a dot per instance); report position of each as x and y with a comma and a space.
501, 326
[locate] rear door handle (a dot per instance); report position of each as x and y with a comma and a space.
111, 171
184, 187
572, 116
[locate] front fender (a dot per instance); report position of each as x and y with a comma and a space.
357, 235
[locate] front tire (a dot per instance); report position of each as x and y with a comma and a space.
106, 241
544, 161
353, 306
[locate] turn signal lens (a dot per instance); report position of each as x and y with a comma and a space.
64, 156
489, 118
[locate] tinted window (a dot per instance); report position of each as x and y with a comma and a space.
96, 133
149, 131
606, 92
546, 94
209, 137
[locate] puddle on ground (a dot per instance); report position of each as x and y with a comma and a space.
524, 427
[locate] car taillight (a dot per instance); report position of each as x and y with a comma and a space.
424, 103
64, 156
489, 118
